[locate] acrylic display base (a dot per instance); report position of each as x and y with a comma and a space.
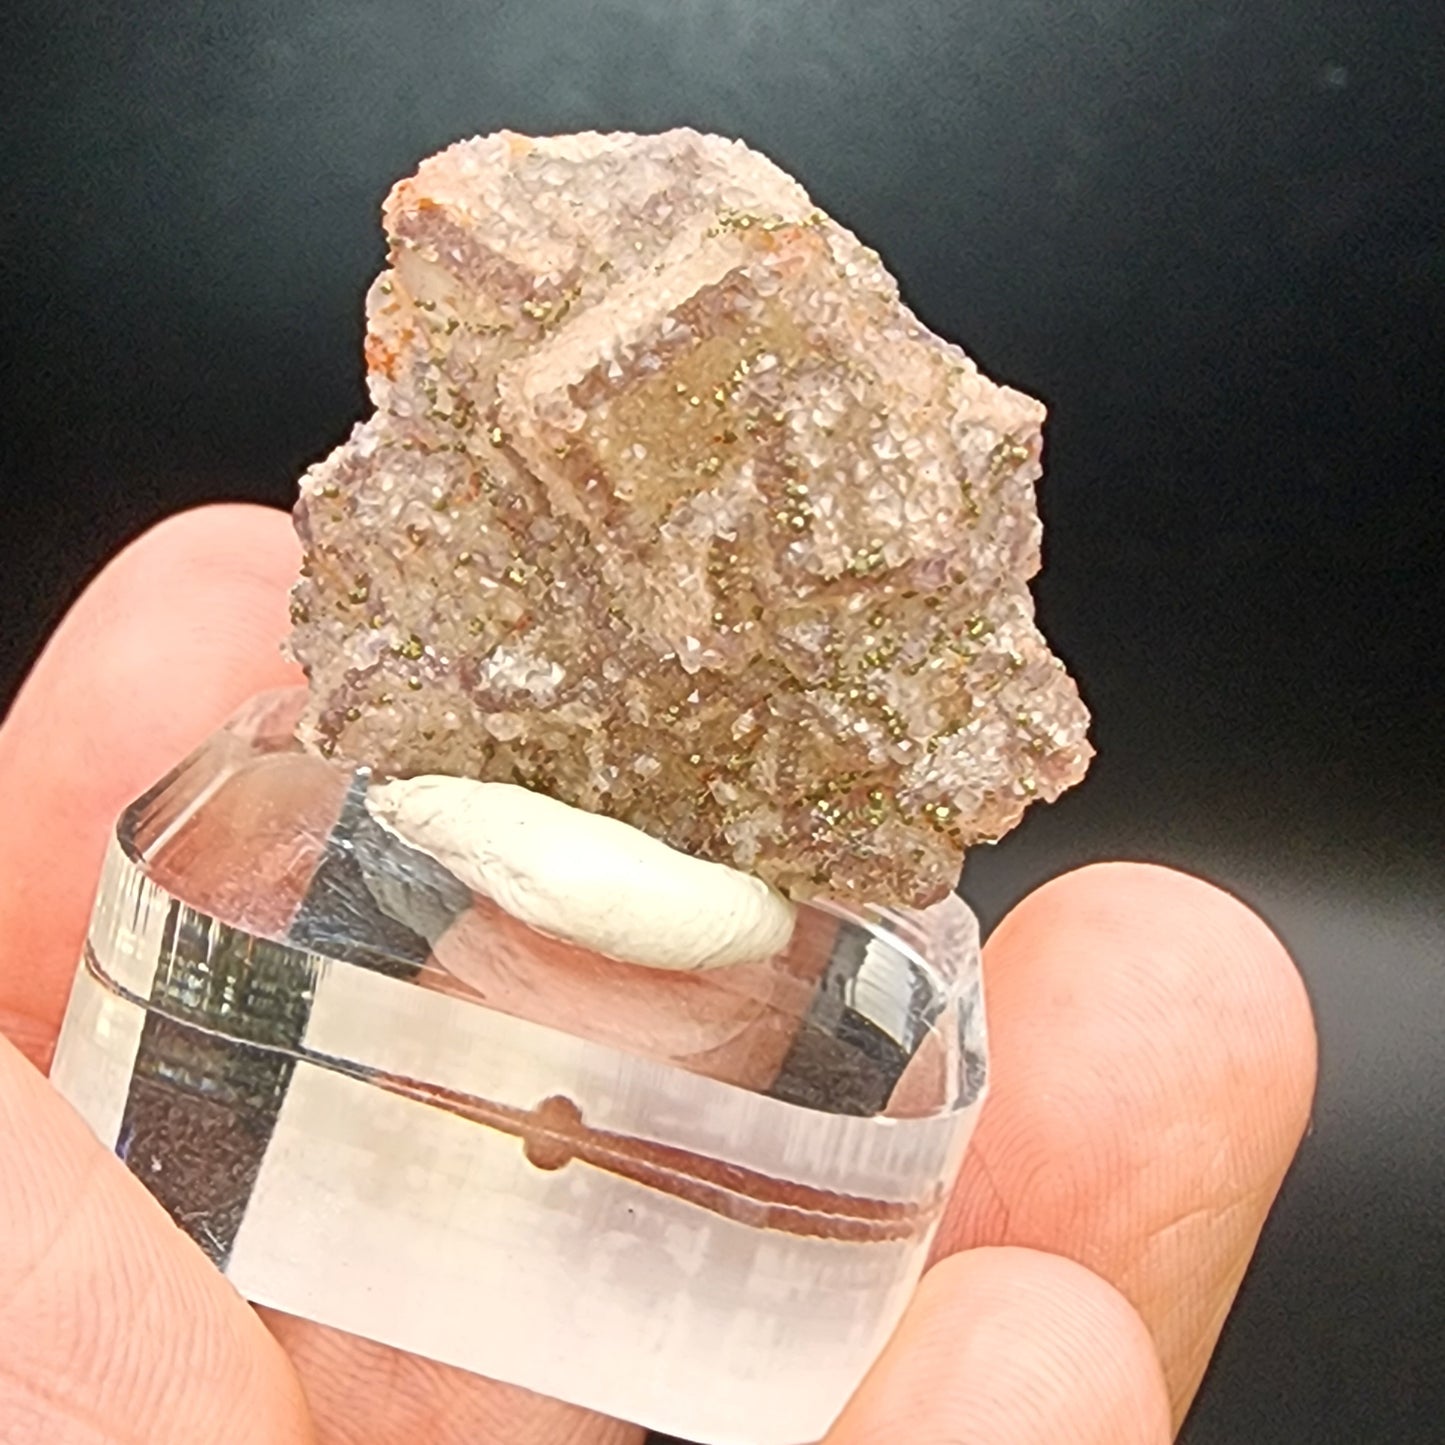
697, 1202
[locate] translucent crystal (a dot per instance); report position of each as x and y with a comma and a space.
671, 508
698, 1202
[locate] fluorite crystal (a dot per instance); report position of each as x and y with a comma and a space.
672, 509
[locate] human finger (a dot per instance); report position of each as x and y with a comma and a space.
1012, 1347
180, 628
170, 638
113, 1326
368, 1394
1153, 1058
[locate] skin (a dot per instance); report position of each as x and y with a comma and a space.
1153, 1065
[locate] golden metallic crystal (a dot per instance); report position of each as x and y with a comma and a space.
671, 508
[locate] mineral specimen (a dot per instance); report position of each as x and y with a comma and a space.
670, 508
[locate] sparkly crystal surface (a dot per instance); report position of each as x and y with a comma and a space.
378, 1103
670, 507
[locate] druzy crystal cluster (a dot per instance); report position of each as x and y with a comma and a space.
670, 508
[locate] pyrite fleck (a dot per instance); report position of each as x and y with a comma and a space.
670, 508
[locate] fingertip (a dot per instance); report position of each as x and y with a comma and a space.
110, 1318
175, 632
1153, 1058
221, 528
196, 608
192, 610
1202, 942
1016, 1347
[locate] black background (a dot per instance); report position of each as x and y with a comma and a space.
1209, 234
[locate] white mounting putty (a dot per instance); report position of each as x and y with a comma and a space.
585, 878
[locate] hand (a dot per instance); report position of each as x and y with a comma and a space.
1153, 1065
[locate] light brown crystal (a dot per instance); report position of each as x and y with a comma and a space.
669, 507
